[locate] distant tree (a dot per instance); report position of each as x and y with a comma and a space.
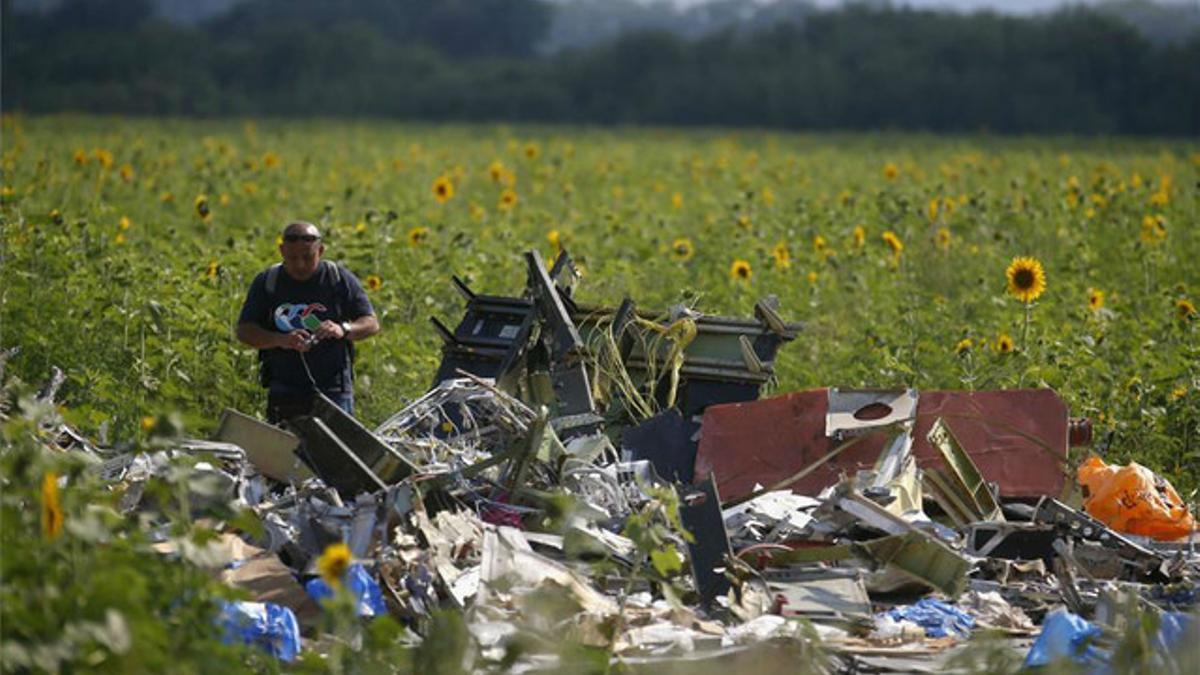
859, 67
460, 28
99, 15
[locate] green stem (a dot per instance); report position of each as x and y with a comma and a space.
1025, 327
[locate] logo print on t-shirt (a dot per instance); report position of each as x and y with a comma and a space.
289, 317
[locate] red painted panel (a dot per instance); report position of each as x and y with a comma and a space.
763, 442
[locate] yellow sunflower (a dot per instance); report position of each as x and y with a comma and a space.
860, 236
682, 249
964, 345
148, 422
677, 200
333, 563
1026, 279
1154, 229
893, 243
508, 200
374, 282
443, 189
213, 268
942, 239
532, 151
555, 239
52, 515
202, 209
1185, 309
496, 171
819, 243
891, 171
740, 270
417, 236
1004, 343
1095, 299
783, 257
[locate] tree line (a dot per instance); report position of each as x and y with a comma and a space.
857, 67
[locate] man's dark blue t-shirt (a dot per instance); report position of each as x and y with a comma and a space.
305, 304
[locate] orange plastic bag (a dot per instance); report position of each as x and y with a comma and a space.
1134, 500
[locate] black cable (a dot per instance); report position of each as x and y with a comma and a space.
308, 372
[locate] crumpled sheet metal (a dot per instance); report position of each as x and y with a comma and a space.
457, 423
507, 558
1017, 438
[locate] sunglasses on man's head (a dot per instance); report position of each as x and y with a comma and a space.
306, 238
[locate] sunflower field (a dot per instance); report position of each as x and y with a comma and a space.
977, 262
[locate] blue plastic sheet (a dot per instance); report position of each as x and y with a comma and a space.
267, 625
365, 589
1172, 629
1065, 635
938, 618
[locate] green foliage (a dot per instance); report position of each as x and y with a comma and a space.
657, 532
141, 318
96, 597
347, 644
446, 649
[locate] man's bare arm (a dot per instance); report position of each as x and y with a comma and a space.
363, 327
360, 329
256, 336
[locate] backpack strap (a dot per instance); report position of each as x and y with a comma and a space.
273, 278
341, 294
336, 267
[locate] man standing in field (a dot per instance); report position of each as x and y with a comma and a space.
303, 315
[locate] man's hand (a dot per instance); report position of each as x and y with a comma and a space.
299, 340
329, 330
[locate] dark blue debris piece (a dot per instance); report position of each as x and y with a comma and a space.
666, 441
